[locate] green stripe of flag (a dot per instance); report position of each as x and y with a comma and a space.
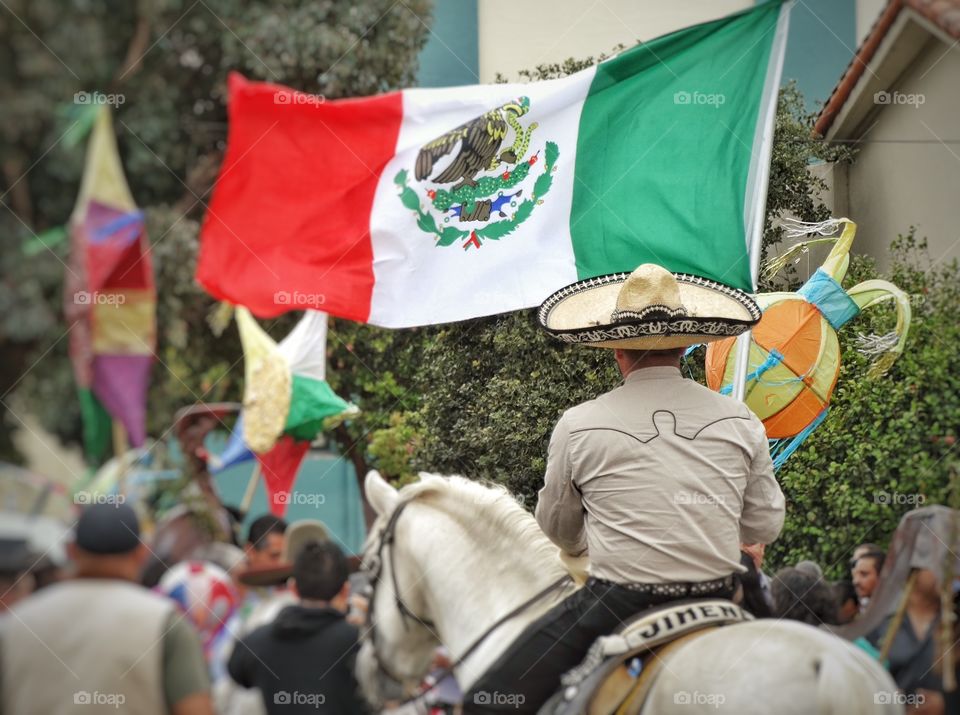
665, 148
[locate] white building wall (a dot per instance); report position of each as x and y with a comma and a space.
521, 34
867, 13
907, 171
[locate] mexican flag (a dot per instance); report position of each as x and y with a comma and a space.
436, 205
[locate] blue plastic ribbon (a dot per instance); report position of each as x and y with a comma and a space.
773, 359
822, 291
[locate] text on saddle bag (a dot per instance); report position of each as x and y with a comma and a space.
665, 624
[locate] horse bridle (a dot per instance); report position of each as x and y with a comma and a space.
375, 569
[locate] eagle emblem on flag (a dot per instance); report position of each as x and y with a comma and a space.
483, 192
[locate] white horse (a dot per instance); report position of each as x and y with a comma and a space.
463, 555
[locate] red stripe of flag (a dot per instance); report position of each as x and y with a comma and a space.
309, 170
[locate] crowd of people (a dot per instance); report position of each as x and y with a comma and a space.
905, 641
274, 628
802, 593
268, 629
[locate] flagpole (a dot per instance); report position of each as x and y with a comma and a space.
251, 489
758, 207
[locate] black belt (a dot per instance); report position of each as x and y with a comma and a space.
677, 590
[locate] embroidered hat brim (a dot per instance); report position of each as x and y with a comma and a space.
582, 314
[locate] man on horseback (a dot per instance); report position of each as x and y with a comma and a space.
659, 480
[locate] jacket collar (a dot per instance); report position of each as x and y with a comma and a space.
653, 373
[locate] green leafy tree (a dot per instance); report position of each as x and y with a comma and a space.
165, 62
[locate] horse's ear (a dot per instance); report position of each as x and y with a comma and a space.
382, 497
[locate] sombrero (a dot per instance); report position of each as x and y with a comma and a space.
648, 309
298, 535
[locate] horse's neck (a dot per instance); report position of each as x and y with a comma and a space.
471, 584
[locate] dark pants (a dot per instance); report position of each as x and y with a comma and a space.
528, 673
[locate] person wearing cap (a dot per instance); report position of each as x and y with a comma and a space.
659, 481
100, 640
302, 662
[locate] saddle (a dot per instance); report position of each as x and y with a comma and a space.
619, 669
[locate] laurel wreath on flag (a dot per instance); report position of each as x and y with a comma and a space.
493, 231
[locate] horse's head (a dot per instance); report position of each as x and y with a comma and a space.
448, 557
399, 638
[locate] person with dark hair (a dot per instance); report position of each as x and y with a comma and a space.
264, 545
810, 567
100, 638
866, 575
265, 550
848, 605
303, 661
798, 595
863, 550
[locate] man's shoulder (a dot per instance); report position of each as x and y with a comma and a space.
258, 636
338, 628
118, 593
686, 396
345, 629
720, 406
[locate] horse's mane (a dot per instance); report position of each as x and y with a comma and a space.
488, 507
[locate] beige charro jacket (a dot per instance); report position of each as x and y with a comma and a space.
661, 480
